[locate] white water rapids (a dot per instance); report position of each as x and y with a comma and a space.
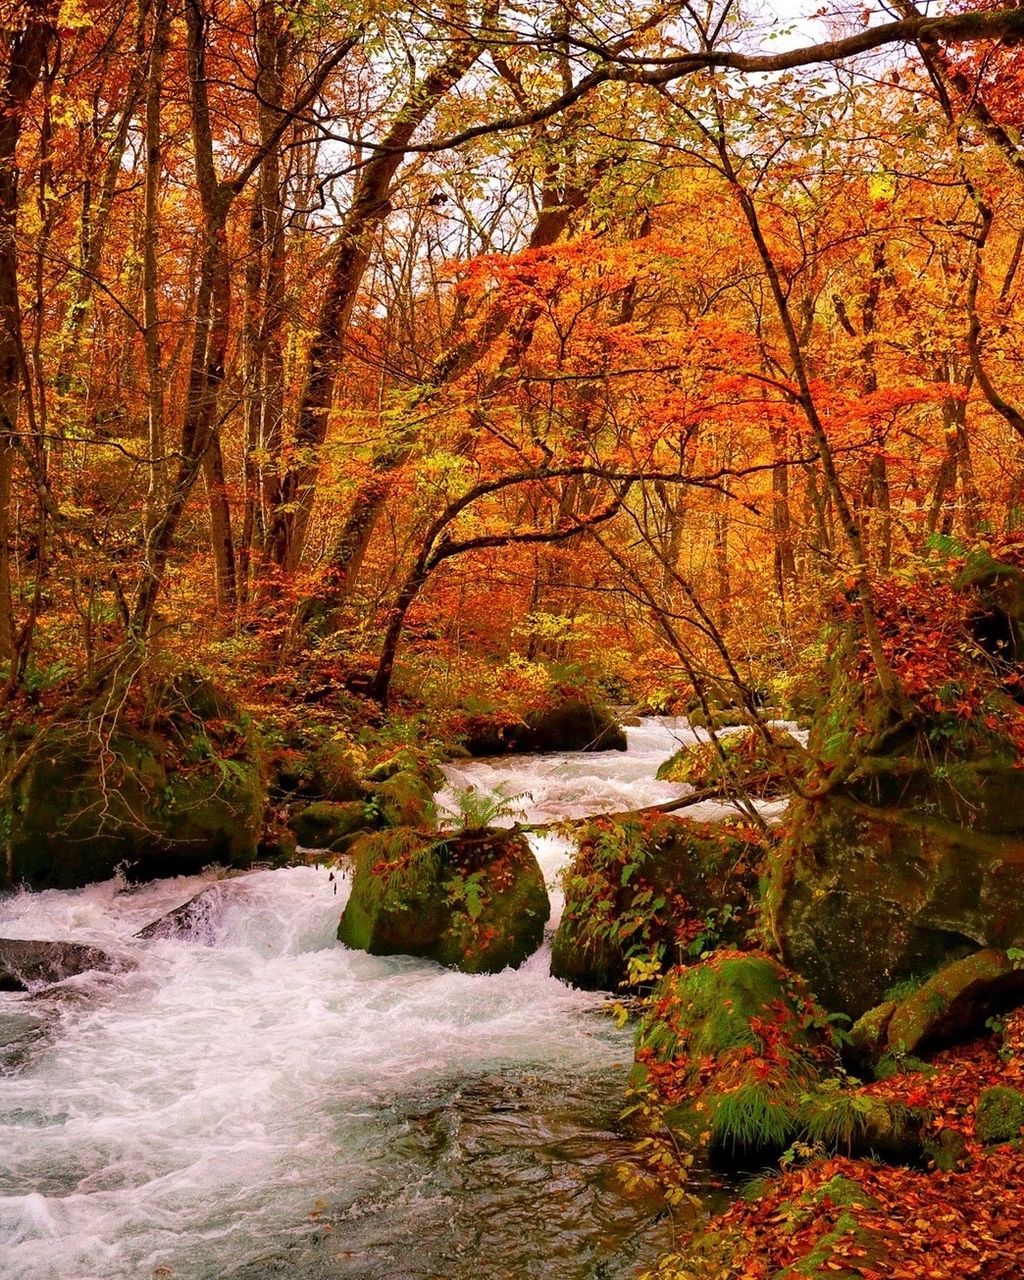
258, 1101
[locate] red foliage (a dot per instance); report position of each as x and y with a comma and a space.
934, 1225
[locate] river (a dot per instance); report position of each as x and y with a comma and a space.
256, 1101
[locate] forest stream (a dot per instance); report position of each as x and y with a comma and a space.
256, 1100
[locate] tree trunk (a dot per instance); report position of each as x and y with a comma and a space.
370, 206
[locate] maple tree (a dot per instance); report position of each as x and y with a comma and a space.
458, 358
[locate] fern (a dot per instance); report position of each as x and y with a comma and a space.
476, 809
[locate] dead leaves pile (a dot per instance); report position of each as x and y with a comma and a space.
912, 1224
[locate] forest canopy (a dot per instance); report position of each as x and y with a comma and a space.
593, 337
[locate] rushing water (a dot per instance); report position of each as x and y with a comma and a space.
256, 1101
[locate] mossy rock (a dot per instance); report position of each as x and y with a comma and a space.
1000, 1115
869, 1035
190, 694
743, 1044
715, 1009
279, 847
572, 724
740, 759
643, 896
954, 1003
407, 760
840, 1202
328, 825
405, 800
908, 851
861, 898
334, 773
327, 770
474, 902
746, 1060
728, 718
158, 801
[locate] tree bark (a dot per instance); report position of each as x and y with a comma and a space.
370, 206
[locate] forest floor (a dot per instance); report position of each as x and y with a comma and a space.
907, 1224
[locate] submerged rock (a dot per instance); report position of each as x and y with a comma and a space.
642, 896
199, 917
25, 964
164, 797
474, 902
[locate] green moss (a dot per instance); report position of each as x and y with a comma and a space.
162, 800
474, 902
863, 897
641, 897
739, 759
1000, 1115
408, 759
405, 800
834, 1245
328, 825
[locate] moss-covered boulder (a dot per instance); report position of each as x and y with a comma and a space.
326, 825
907, 849
474, 902
404, 799
407, 760
864, 898
955, 1002
641, 896
740, 759
742, 1061
1000, 1115
156, 791
573, 723
317, 767
732, 1045
577, 724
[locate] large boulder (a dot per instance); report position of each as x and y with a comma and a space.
573, 723
160, 794
474, 902
26, 964
741, 1061
875, 896
907, 848
740, 759
955, 1002
641, 896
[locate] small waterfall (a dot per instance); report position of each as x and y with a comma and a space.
254, 1100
